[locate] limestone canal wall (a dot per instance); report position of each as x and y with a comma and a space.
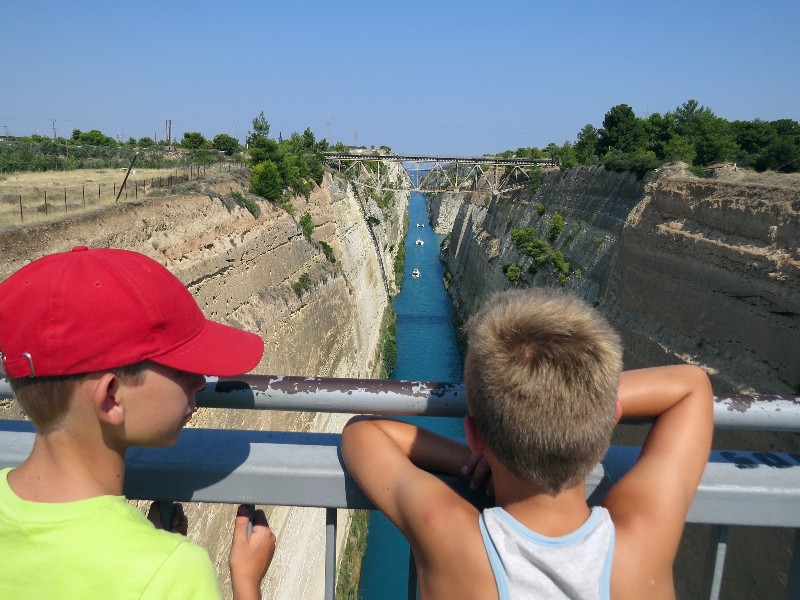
705, 271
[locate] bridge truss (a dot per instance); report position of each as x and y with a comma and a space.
433, 174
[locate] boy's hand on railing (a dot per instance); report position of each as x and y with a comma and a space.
178, 521
251, 552
478, 472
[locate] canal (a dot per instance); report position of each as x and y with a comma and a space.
426, 351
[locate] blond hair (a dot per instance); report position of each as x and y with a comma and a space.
541, 373
45, 400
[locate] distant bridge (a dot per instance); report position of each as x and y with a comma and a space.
477, 174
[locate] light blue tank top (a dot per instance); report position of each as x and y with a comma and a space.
576, 566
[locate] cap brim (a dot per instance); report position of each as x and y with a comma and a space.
217, 350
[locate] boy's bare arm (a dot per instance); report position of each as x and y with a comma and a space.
251, 553
389, 460
650, 503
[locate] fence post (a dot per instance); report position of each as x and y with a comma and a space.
21, 218
45, 203
98, 192
83, 194
65, 199
136, 189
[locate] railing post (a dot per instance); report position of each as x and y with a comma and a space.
412, 576
330, 553
715, 562
793, 578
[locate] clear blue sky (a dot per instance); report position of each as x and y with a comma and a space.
458, 77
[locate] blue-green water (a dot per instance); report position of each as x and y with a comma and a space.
426, 349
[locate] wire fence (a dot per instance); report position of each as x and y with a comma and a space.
49, 202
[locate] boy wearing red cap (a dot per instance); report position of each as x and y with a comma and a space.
104, 350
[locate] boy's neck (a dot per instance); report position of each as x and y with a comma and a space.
546, 514
61, 468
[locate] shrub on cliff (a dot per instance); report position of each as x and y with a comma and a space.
296, 162
638, 162
556, 226
399, 264
560, 263
389, 352
307, 225
512, 271
328, 252
527, 242
247, 203
302, 284
266, 181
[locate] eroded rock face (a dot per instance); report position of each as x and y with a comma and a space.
694, 270
241, 270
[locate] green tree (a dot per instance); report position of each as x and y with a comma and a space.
752, 137
567, 158
713, 140
586, 146
622, 130
782, 153
260, 125
92, 138
193, 140
225, 143
266, 180
678, 148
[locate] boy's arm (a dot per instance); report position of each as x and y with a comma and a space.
649, 504
251, 552
389, 460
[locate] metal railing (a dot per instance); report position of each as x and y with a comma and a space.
306, 469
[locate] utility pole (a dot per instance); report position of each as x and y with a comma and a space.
53, 127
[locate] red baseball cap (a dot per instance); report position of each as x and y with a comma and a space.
91, 310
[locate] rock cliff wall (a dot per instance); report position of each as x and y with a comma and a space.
694, 270
244, 270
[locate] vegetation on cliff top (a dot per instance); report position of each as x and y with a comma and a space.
284, 167
691, 133
93, 149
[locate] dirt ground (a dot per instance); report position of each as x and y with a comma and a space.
72, 192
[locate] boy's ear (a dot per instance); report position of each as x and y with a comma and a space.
107, 400
474, 437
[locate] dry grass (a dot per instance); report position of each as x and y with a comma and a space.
68, 192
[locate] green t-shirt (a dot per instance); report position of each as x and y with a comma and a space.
96, 548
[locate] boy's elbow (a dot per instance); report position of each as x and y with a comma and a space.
351, 431
703, 393
701, 382
355, 423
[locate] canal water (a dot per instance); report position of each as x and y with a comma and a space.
426, 351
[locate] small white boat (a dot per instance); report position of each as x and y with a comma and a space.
420, 224
419, 242
415, 273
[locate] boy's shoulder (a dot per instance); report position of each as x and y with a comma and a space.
105, 536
